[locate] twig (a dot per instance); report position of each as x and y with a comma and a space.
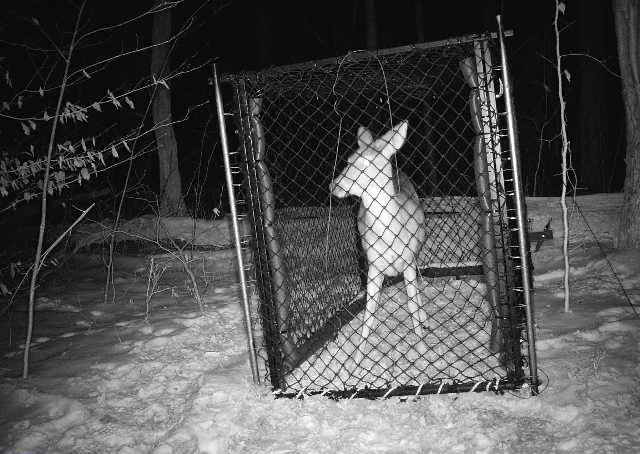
57, 241
44, 257
155, 274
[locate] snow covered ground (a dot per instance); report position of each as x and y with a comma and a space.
104, 380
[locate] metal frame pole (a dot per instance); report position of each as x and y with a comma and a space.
520, 208
253, 360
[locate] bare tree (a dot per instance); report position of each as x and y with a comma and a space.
171, 201
56, 124
627, 21
372, 24
419, 11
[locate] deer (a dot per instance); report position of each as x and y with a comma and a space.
390, 220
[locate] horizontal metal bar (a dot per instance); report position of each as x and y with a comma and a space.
364, 54
498, 386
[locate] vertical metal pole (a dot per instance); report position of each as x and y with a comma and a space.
480, 121
520, 209
253, 360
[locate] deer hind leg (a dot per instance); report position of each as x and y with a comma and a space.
414, 301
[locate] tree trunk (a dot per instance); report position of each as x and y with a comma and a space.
171, 201
372, 24
590, 102
419, 21
264, 27
627, 20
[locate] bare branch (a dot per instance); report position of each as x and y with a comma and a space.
601, 62
131, 52
153, 10
108, 101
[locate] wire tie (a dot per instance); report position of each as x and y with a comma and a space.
475, 386
419, 389
386, 395
353, 395
301, 393
440, 387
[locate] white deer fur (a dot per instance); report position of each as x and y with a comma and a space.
390, 219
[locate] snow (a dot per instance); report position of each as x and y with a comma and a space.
107, 379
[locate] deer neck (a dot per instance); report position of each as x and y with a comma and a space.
377, 197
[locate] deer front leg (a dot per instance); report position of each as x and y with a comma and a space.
374, 284
414, 301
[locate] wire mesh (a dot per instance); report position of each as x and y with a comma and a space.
431, 200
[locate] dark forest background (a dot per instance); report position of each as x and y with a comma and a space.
244, 35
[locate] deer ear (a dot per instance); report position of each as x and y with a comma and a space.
365, 138
393, 139
401, 129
